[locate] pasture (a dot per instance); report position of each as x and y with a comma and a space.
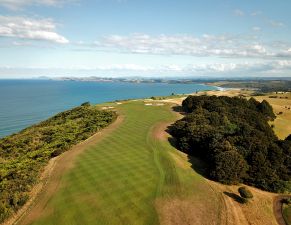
282, 109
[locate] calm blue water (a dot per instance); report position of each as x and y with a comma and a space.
26, 102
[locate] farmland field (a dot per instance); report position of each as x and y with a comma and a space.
282, 110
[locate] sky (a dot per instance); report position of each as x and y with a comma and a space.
148, 38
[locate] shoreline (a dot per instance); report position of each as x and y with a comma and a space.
30, 118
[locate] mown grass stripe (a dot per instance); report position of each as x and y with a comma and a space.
118, 180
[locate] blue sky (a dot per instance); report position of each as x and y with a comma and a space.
181, 38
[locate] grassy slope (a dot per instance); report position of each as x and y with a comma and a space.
287, 214
125, 178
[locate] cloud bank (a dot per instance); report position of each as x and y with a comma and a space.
20, 4
206, 45
33, 29
257, 69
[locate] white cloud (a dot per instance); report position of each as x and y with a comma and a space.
282, 67
127, 67
239, 12
256, 29
274, 23
206, 45
210, 68
27, 28
256, 13
20, 4
269, 21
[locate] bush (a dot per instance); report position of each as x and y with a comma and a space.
286, 201
281, 186
85, 104
229, 167
265, 108
245, 193
243, 200
56, 152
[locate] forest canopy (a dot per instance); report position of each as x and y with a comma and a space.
24, 155
233, 136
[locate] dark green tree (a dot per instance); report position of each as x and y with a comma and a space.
229, 167
245, 192
265, 108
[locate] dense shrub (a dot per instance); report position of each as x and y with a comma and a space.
233, 136
245, 192
265, 108
23, 155
229, 167
286, 201
243, 200
85, 104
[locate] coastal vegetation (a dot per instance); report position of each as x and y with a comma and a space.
233, 136
24, 155
261, 86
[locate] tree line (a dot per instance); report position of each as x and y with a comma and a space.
263, 86
233, 136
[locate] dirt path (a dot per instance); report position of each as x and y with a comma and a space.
277, 208
160, 129
231, 211
51, 177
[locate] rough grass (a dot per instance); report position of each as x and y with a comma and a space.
282, 125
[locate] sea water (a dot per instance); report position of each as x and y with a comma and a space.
26, 102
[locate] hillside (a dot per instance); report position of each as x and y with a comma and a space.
24, 155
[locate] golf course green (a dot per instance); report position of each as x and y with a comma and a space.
130, 177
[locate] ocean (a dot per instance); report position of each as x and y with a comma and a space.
26, 102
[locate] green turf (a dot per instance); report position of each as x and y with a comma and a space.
287, 214
118, 180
